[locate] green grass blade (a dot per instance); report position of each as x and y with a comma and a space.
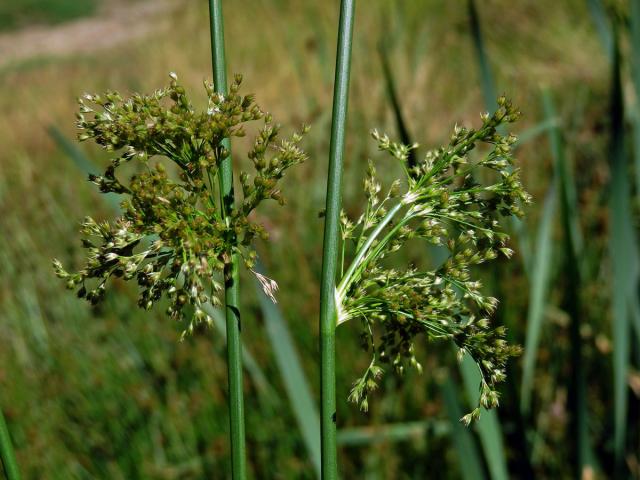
81, 162
536, 130
634, 24
566, 186
486, 77
601, 21
390, 86
573, 272
72, 150
395, 432
295, 381
635, 64
489, 429
488, 426
490, 98
468, 457
636, 145
7, 454
624, 258
540, 282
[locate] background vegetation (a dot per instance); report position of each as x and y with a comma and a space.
111, 393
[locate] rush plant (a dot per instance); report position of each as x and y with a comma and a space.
183, 233
451, 198
442, 202
173, 238
180, 236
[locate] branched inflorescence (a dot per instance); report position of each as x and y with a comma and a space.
174, 236
446, 204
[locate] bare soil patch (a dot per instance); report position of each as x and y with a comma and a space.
117, 22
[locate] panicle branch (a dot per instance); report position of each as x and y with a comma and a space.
171, 237
444, 203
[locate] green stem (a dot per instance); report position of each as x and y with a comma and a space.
231, 272
331, 250
357, 261
6, 452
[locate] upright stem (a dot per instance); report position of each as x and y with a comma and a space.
331, 250
6, 452
231, 272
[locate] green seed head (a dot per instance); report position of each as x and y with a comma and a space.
172, 237
444, 203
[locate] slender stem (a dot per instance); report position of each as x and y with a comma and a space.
231, 272
6, 452
331, 249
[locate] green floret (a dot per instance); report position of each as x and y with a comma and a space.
172, 237
443, 203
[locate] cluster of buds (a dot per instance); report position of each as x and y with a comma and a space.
446, 205
176, 235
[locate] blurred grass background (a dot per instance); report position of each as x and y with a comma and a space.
109, 392
14, 15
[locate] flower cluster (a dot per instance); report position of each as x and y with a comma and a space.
175, 235
446, 204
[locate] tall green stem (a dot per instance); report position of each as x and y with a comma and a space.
231, 280
331, 250
6, 452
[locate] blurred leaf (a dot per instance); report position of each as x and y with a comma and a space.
72, 150
396, 432
390, 86
469, 459
565, 182
635, 314
82, 163
540, 282
488, 426
7, 455
624, 258
601, 20
536, 130
573, 273
636, 143
634, 24
295, 382
486, 77
635, 64
490, 98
